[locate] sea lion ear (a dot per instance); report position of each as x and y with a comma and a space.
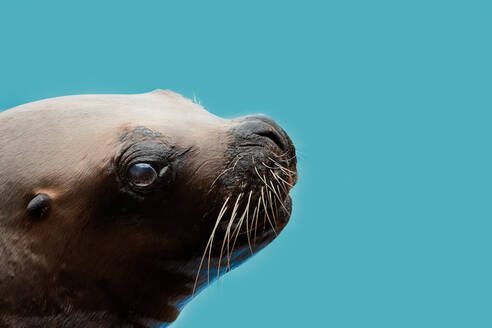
39, 206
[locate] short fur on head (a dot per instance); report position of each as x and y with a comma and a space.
116, 209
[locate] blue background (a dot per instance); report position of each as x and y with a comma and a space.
388, 102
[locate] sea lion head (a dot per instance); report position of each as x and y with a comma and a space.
128, 205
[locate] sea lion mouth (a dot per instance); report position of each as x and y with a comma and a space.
263, 228
240, 237
254, 188
260, 206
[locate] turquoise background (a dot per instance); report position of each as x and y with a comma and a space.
388, 102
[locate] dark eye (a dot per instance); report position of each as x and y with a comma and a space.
142, 175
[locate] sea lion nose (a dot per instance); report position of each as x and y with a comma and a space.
261, 127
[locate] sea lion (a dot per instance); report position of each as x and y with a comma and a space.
116, 209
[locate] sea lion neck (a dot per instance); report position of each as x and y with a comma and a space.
35, 295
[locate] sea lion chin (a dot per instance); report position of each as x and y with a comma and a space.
116, 209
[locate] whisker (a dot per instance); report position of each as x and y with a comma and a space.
268, 194
291, 158
300, 154
282, 155
237, 230
235, 233
278, 189
225, 171
228, 231
273, 208
221, 214
217, 178
279, 182
290, 184
247, 226
272, 168
263, 179
286, 160
278, 197
266, 212
253, 219
256, 221
209, 245
282, 167
236, 162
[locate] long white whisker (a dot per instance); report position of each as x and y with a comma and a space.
228, 231
272, 168
290, 184
223, 172
247, 224
273, 208
278, 197
237, 230
256, 221
240, 224
279, 182
209, 245
281, 155
263, 179
266, 211
237, 162
282, 167
217, 178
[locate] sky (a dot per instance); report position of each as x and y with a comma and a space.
387, 102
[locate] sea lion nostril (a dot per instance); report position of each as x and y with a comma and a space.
275, 137
250, 127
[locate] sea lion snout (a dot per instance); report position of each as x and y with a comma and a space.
265, 147
264, 130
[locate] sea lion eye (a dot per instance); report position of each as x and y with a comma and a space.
142, 175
